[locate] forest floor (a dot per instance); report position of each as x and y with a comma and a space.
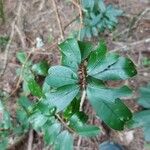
26, 20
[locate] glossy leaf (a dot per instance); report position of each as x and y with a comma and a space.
60, 76
115, 114
114, 69
64, 141
71, 55
97, 57
35, 89
85, 48
98, 92
100, 63
41, 68
72, 108
62, 97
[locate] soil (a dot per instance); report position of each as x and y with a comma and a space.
36, 18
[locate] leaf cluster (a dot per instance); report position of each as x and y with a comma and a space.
68, 81
53, 107
29, 72
97, 17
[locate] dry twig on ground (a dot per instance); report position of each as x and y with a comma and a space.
58, 19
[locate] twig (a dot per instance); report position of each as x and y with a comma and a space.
127, 45
71, 22
21, 72
65, 125
134, 25
30, 140
139, 17
82, 99
80, 14
21, 37
7, 49
10, 40
58, 20
79, 143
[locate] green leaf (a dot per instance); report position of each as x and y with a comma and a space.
115, 114
102, 6
147, 133
87, 4
77, 122
22, 119
25, 103
4, 143
88, 130
88, 33
94, 31
64, 141
44, 108
45, 87
41, 68
51, 132
62, 97
26, 90
71, 55
121, 69
142, 119
144, 99
5, 120
35, 89
82, 33
85, 48
21, 56
27, 74
100, 63
72, 108
98, 92
96, 57
60, 76
37, 120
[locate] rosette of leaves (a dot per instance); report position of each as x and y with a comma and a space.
142, 118
97, 17
56, 110
84, 70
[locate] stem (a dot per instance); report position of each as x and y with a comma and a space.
82, 99
65, 125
